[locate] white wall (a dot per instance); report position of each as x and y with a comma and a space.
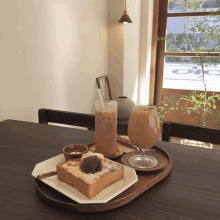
131, 50
129, 47
145, 51
50, 54
115, 47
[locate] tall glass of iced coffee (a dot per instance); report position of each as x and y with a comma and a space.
106, 128
144, 132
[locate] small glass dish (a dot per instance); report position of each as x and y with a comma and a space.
72, 151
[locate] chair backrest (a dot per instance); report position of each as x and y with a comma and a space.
192, 132
68, 118
76, 119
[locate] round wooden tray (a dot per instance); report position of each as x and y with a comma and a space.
145, 181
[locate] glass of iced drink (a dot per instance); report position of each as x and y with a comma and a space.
144, 132
106, 128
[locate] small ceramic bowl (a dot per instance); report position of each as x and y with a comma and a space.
72, 151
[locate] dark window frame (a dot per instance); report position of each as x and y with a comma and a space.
158, 50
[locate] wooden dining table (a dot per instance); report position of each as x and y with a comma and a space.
190, 191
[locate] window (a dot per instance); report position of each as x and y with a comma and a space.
176, 58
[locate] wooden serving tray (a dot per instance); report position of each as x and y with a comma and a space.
145, 181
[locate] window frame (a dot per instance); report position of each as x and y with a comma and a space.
158, 52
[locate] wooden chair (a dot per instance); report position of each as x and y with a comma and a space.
75, 119
192, 132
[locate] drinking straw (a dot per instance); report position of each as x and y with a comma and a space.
100, 99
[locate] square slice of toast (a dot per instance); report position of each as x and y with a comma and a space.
87, 183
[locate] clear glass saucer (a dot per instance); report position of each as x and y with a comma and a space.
143, 161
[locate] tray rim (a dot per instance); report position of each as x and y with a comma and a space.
112, 204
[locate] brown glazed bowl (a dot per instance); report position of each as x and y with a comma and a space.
72, 151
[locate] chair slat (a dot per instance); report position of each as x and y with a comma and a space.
192, 132
75, 119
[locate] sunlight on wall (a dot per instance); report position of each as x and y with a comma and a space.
62, 47
135, 96
116, 58
145, 82
131, 51
145, 52
103, 36
63, 28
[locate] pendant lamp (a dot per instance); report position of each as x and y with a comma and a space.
125, 18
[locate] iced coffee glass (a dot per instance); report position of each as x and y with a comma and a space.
106, 128
144, 132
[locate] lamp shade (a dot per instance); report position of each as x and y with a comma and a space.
125, 18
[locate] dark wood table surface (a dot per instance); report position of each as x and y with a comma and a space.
190, 191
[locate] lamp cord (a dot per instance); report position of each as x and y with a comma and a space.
125, 4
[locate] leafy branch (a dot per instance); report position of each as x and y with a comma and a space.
196, 101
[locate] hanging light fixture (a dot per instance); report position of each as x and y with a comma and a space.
125, 18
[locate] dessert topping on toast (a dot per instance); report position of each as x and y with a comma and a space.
100, 156
91, 164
